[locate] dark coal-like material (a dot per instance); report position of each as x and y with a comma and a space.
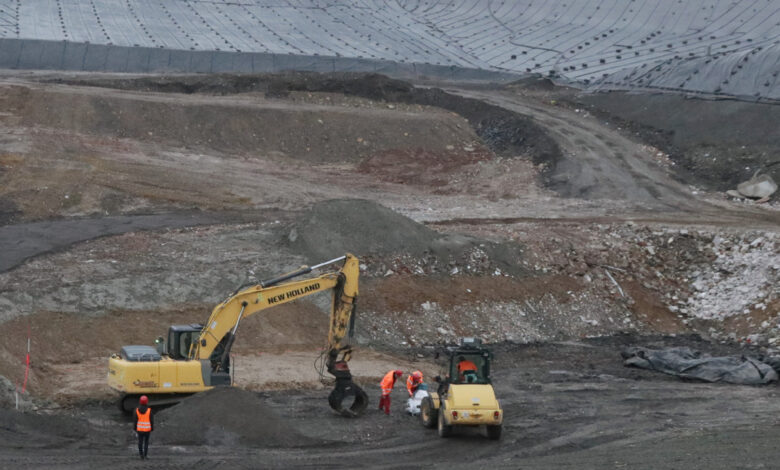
226, 416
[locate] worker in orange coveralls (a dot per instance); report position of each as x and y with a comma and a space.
387, 384
414, 381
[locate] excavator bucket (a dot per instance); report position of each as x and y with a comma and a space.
348, 399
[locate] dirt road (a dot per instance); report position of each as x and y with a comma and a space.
600, 162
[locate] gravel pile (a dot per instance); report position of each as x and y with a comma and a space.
334, 227
225, 416
393, 243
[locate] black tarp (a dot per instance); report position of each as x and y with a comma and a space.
691, 364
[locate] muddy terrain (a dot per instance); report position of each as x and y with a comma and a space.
558, 227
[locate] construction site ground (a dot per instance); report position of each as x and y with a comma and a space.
558, 227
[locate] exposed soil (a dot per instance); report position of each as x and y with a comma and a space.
504, 132
714, 144
518, 215
568, 405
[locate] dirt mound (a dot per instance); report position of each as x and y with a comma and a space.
365, 228
37, 430
506, 133
249, 127
226, 416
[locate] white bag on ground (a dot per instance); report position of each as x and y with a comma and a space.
413, 403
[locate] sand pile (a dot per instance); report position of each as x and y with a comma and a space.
225, 416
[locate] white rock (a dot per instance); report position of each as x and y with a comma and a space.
758, 187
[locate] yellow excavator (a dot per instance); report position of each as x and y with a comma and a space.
197, 357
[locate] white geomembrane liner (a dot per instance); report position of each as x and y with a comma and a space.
700, 46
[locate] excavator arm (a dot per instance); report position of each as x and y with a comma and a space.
219, 333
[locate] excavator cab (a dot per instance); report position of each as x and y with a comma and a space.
180, 340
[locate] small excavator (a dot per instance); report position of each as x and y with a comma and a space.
197, 357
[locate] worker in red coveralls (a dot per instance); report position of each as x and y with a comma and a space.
387, 384
413, 382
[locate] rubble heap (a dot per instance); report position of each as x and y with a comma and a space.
744, 276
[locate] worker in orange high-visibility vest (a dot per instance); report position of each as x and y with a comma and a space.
143, 425
413, 382
387, 384
467, 370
